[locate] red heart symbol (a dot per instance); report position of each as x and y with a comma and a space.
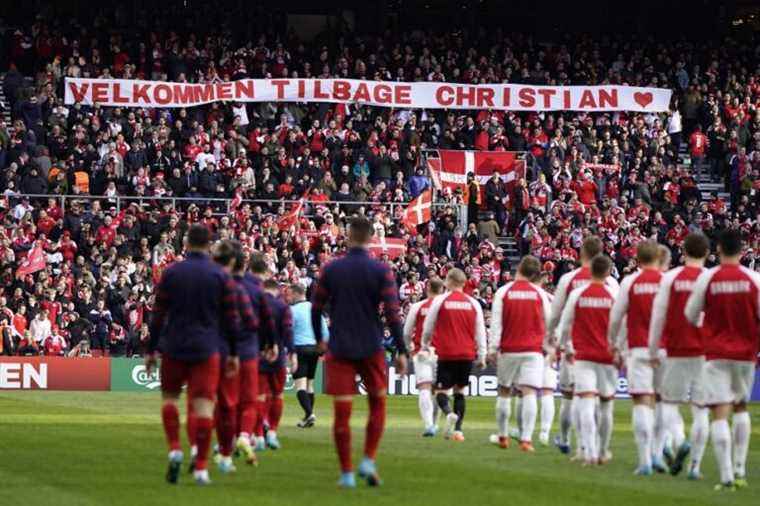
643, 99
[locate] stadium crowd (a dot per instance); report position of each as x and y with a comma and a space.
622, 176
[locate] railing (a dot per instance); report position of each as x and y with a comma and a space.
221, 206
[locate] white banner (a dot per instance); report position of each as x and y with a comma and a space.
422, 95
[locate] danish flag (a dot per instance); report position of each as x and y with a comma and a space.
449, 168
380, 246
35, 261
419, 210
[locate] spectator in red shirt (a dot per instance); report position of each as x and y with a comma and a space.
697, 149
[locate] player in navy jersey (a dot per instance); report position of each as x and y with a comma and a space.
254, 347
195, 311
273, 369
352, 290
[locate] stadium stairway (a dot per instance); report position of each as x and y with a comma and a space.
706, 186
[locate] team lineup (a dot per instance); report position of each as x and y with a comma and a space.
686, 336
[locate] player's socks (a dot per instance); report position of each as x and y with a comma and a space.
342, 434
721, 439
503, 407
741, 430
261, 411
529, 413
203, 439
565, 421
606, 425
175, 464
547, 418
312, 401
700, 432
519, 414
659, 437
170, 417
576, 423
643, 421
305, 401
459, 410
193, 457
225, 431
190, 426
443, 403
375, 425
275, 412
425, 403
587, 409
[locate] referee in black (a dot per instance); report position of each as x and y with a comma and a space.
306, 348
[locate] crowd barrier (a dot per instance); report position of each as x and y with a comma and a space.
129, 375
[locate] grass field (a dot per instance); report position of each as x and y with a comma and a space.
60, 449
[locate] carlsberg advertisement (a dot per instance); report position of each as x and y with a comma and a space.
129, 375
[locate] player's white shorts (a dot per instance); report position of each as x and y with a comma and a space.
728, 381
682, 380
550, 376
643, 379
425, 365
594, 377
520, 369
566, 376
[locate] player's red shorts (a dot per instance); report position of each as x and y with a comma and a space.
272, 384
202, 378
249, 381
341, 374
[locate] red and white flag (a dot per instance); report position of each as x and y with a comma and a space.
449, 168
34, 261
419, 210
289, 219
380, 246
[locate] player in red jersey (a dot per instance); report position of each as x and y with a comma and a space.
729, 295
456, 320
568, 408
583, 328
424, 361
195, 310
630, 320
685, 349
518, 330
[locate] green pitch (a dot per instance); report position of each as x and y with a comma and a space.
108, 449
